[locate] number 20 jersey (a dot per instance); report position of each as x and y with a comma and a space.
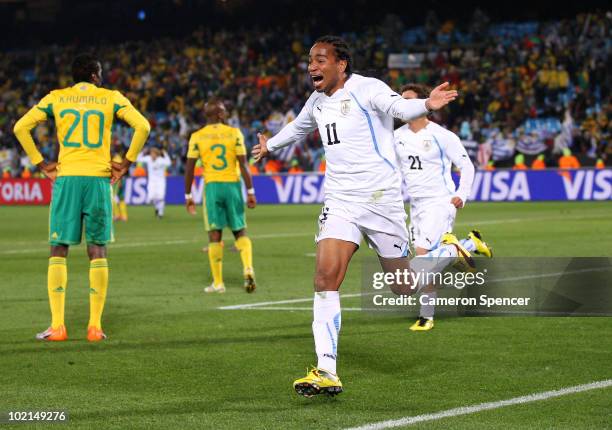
357, 135
218, 146
84, 115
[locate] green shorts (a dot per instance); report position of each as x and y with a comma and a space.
224, 206
77, 202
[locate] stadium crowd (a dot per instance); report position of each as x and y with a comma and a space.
525, 88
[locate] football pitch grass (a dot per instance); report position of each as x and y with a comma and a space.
175, 360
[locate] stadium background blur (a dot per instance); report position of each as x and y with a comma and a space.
533, 80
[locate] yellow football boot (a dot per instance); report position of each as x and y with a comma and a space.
481, 247
464, 261
318, 381
422, 324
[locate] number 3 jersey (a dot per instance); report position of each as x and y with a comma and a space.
84, 115
218, 146
426, 158
356, 128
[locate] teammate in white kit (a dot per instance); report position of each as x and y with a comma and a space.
157, 162
354, 115
427, 152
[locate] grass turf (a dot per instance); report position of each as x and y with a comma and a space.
173, 360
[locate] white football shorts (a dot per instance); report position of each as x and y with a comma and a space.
383, 226
430, 218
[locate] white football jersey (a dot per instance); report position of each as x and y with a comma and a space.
156, 169
426, 158
356, 128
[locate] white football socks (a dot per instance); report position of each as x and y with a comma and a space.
159, 207
468, 244
433, 262
326, 328
427, 310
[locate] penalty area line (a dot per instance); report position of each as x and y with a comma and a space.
466, 410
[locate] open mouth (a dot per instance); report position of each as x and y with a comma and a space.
316, 79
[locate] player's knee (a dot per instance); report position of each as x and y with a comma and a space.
96, 251
325, 281
403, 289
239, 233
214, 236
59, 251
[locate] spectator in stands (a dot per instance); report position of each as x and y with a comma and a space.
508, 74
253, 167
568, 161
295, 167
139, 170
538, 163
599, 164
519, 162
272, 166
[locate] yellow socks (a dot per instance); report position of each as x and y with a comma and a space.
123, 210
245, 246
57, 280
98, 284
215, 257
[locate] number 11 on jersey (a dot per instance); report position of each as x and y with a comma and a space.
329, 141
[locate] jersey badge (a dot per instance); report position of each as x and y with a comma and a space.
345, 106
427, 145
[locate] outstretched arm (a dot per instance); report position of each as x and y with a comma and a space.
388, 101
292, 132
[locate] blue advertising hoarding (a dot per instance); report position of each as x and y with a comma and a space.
497, 185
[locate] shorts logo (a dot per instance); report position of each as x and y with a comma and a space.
54, 235
345, 106
427, 145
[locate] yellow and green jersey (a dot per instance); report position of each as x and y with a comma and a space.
84, 115
218, 146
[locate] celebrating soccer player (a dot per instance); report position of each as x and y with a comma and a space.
83, 174
426, 153
221, 147
157, 162
354, 115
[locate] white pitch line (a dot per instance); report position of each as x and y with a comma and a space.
289, 308
279, 302
465, 410
43, 248
510, 279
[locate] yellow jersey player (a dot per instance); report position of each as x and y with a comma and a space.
220, 147
83, 174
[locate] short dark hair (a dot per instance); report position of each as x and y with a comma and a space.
422, 91
83, 66
341, 49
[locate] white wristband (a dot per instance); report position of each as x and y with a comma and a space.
188, 197
251, 191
